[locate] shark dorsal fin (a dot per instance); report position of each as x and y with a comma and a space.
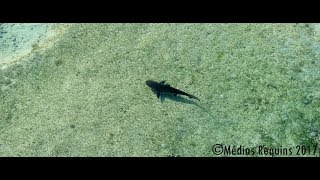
162, 82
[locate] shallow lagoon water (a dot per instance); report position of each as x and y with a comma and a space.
85, 94
20, 40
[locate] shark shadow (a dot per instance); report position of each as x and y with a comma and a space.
181, 99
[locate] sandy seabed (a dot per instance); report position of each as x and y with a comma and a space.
84, 94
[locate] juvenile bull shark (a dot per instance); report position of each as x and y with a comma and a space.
160, 88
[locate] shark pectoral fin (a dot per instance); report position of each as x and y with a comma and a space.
162, 82
158, 95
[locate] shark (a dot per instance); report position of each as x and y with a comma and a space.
161, 88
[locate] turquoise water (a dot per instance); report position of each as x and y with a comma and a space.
18, 40
258, 84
